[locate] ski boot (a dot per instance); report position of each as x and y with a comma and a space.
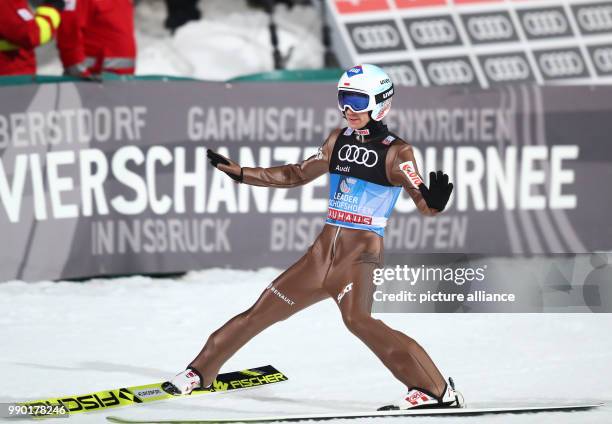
417, 398
183, 383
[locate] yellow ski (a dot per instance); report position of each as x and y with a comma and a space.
147, 393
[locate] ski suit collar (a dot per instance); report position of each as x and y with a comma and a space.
374, 130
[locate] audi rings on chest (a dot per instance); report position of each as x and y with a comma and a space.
358, 155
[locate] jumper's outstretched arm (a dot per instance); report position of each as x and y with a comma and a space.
290, 175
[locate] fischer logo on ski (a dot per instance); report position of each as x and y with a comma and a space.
245, 379
220, 386
127, 395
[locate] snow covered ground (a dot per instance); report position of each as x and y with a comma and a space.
71, 338
230, 40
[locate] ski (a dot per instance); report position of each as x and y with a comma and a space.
125, 396
492, 409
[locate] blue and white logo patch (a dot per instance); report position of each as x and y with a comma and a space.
356, 70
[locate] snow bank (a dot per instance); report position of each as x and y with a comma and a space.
230, 40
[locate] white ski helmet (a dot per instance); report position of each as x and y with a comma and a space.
365, 88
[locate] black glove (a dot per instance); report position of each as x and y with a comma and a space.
56, 4
439, 191
216, 159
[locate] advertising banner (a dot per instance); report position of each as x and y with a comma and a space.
113, 179
477, 42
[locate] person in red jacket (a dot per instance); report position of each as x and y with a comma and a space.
97, 36
21, 31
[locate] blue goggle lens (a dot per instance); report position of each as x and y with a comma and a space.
356, 101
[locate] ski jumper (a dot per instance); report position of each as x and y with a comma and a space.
368, 169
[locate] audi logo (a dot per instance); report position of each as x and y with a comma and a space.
491, 27
602, 57
507, 68
561, 64
595, 18
402, 74
358, 155
371, 37
433, 31
546, 22
450, 72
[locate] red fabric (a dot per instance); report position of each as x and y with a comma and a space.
70, 41
99, 29
22, 32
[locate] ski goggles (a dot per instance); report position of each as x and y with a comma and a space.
358, 102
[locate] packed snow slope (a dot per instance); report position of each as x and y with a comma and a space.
73, 338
